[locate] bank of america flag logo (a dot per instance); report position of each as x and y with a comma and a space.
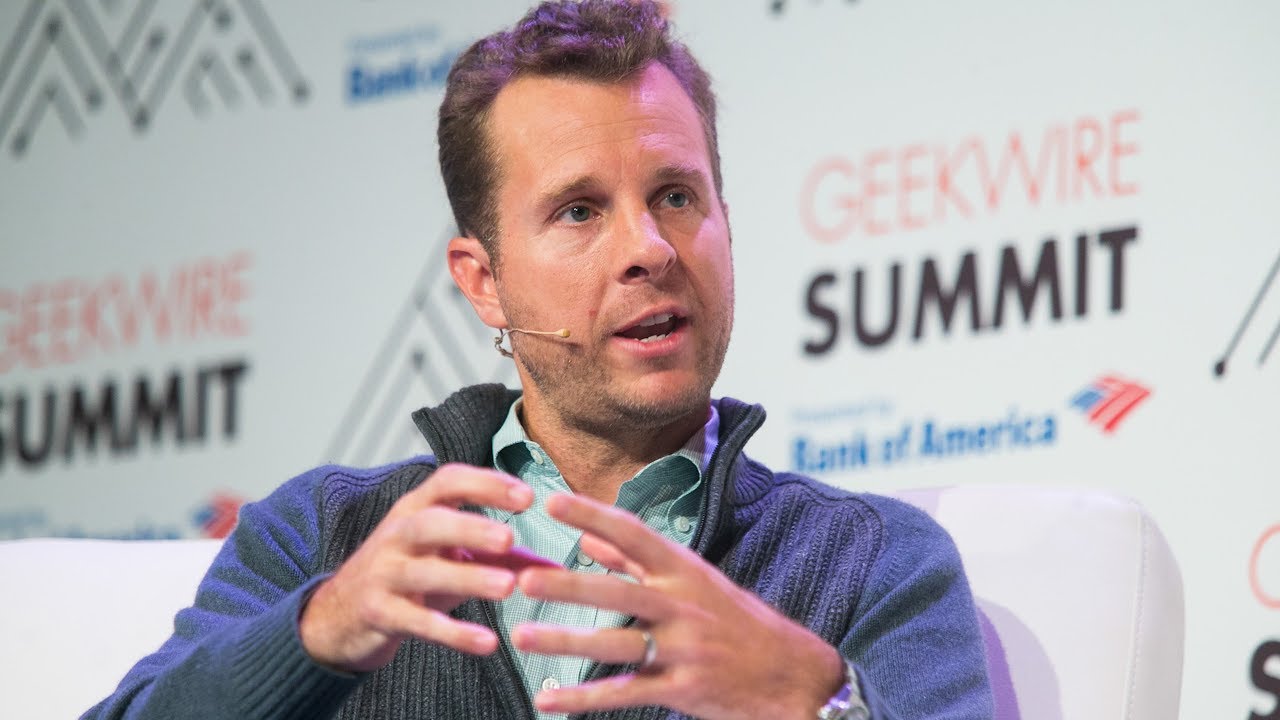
67, 61
217, 517
435, 346
1108, 400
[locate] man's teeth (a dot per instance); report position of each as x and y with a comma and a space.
655, 320
654, 327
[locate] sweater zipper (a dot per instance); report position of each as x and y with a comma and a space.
507, 658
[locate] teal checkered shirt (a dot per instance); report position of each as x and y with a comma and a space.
666, 494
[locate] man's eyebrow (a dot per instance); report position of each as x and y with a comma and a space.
683, 173
690, 174
560, 193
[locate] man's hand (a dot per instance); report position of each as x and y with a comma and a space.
722, 652
422, 560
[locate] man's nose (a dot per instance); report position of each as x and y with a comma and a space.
646, 255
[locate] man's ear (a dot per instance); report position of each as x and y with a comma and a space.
472, 272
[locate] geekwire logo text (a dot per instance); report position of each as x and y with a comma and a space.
977, 291
397, 63
47, 325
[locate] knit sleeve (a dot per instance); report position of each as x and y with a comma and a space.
916, 643
236, 652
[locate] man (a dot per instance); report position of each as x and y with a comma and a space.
599, 542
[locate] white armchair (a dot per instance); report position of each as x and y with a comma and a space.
1080, 597
77, 614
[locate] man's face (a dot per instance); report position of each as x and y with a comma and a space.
609, 225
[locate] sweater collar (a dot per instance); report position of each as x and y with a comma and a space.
461, 428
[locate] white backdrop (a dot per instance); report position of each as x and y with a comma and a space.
221, 225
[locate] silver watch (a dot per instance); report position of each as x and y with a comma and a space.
847, 703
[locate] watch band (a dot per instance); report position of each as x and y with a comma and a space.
847, 703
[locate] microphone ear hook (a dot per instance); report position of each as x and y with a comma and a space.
505, 332
497, 343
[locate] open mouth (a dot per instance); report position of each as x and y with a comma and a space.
652, 328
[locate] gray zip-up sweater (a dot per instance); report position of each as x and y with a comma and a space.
876, 578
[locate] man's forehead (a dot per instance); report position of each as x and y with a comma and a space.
537, 108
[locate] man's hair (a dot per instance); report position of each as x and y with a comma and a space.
604, 41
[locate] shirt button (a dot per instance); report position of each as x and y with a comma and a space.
537, 456
550, 684
682, 524
584, 559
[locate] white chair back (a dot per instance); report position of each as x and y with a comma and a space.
77, 614
1080, 598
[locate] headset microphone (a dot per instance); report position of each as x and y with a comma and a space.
497, 341
562, 332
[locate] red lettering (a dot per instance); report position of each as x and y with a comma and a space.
1255, 580
873, 188
910, 182
92, 329
1087, 157
61, 321
946, 182
835, 166
1087, 152
113, 288
1016, 157
22, 334
1120, 149
235, 290
986, 179
204, 289
152, 307
1064, 166
65, 321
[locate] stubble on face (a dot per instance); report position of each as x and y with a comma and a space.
575, 380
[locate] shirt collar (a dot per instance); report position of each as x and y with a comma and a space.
698, 449
511, 434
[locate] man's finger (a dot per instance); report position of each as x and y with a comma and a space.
437, 527
619, 691
406, 618
609, 645
601, 591
456, 484
437, 576
623, 529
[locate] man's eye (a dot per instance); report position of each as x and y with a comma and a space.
576, 214
677, 199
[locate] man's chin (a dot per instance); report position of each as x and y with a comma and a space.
607, 402
662, 404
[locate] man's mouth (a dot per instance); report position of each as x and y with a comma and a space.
654, 327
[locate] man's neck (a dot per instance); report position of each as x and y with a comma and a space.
596, 464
